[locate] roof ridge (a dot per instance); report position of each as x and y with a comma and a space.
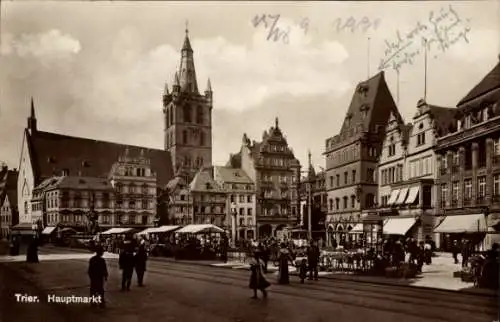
97, 140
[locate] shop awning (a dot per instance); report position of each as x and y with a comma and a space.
48, 230
402, 196
472, 223
23, 226
148, 231
398, 226
393, 197
113, 231
412, 195
156, 230
197, 229
358, 229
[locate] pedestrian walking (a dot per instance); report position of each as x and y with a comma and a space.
466, 252
303, 270
140, 263
257, 279
32, 251
455, 250
98, 274
313, 255
264, 254
420, 257
284, 258
126, 262
15, 245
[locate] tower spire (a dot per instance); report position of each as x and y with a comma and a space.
187, 71
32, 112
165, 92
309, 157
209, 86
276, 122
32, 118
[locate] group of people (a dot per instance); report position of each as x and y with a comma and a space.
31, 251
464, 248
419, 253
133, 256
286, 256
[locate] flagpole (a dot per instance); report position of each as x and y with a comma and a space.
397, 86
425, 69
368, 58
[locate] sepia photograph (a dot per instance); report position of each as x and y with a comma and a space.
248, 161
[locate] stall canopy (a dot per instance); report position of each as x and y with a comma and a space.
402, 196
473, 223
358, 229
393, 197
398, 226
156, 230
413, 195
116, 231
48, 230
197, 229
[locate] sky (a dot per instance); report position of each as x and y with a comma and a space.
98, 69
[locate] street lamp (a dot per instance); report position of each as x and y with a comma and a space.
234, 222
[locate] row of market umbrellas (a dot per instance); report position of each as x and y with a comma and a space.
189, 229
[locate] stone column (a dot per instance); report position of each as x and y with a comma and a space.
475, 159
489, 170
461, 153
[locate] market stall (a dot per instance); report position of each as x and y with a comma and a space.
199, 241
161, 239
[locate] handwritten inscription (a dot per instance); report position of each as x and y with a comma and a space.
438, 34
352, 25
278, 31
274, 32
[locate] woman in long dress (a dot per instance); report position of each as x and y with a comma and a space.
257, 279
284, 258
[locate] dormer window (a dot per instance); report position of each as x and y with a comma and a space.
208, 186
363, 90
364, 110
348, 119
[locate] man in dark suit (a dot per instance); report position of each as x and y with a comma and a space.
313, 255
98, 274
126, 262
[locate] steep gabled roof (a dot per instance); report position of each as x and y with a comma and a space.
77, 183
52, 153
490, 82
373, 98
203, 182
233, 175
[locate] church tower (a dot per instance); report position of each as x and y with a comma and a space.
188, 118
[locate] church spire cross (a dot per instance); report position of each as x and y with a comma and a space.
187, 28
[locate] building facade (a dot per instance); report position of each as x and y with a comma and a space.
209, 200
352, 155
135, 185
45, 155
407, 171
273, 167
180, 202
469, 168
188, 118
9, 215
67, 202
241, 201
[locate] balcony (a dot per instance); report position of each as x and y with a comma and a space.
467, 202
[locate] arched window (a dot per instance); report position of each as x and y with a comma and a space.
202, 138
199, 115
184, 137
187, 115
